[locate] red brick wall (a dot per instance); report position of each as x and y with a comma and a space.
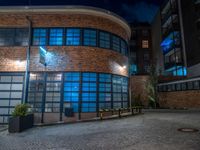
62, 20
180, 99
12, 59
138, 87
80, 59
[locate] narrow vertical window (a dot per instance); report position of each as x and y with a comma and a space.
104, 40
116, 43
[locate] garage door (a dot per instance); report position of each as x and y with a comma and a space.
11, 94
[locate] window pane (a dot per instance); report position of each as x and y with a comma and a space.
124, 49
89, 37
73, 37
116, 43
104, 40
56, 37
39, 36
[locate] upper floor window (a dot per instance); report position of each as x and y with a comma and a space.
15, 36
56, 36
21, 37
124, 49
104, 40
90, 37
40, 36
73, 37
116, 43
145, 44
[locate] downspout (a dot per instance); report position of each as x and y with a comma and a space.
184, 55
27, 61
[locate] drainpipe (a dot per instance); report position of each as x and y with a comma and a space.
27, 60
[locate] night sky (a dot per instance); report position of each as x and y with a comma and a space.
131, 10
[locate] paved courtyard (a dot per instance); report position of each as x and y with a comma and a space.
151, 131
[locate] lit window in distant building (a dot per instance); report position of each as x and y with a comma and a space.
145, 44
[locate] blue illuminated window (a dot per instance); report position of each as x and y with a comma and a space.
71, 90
73, 36
116, 43
104, 40
70, 86
71, 96
104, 87
89, 95
88, 107
104, 100
40, 36
104, 77
104, 97
75, 76
89, 87
90, 37
56, 37
92, 77
124, 49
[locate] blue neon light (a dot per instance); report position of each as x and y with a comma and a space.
169, 41
43, 50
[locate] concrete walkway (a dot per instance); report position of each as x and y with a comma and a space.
151, 131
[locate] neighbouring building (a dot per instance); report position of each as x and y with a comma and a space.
140, 49
180, 23
61, 58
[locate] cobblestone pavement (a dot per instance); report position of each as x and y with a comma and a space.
151, 131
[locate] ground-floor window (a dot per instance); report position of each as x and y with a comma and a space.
82, 91
54, 92
11, 93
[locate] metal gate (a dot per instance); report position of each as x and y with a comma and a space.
11, 93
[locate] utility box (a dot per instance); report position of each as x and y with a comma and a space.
69, 112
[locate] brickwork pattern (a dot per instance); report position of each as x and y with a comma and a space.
180, 99
63, 20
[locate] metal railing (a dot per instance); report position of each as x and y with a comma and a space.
120, 111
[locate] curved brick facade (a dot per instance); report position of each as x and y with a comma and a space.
63, 20
82, 77
66, 58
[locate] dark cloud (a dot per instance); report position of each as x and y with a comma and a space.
141, 11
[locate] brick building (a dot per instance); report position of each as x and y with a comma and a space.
57, 58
